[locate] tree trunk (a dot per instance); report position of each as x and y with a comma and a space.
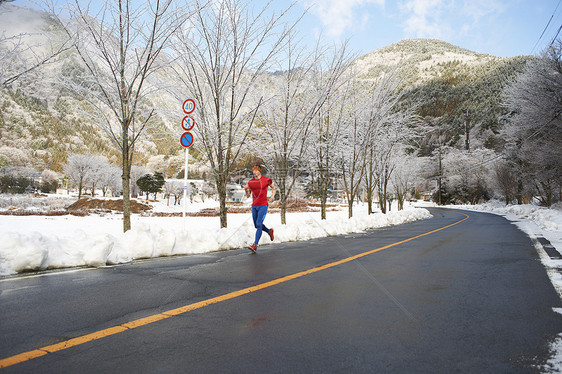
369, 201
221, 189
323, 197
126, 177
283, 209
80, 188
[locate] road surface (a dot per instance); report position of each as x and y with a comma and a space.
460, 292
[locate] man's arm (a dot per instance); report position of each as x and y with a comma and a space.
273, 191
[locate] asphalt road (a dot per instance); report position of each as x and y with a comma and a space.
470, 298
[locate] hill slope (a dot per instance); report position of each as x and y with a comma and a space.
446, 83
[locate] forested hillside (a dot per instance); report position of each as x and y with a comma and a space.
447, 82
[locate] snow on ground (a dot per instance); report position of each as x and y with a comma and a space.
46, 242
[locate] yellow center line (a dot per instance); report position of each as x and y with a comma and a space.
26, 356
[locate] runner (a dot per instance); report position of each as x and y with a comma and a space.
258, 188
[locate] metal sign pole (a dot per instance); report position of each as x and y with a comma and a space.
185, 186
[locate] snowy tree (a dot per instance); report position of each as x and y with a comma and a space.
534, 131
174, 188
78, 169
286, 120
352, 141
389, 126
331, 74
108, 177
467, 175
14, 156
121, 45
98, 167
406, 176
222, 56
136, 173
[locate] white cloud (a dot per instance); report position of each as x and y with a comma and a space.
337, 16
443, 18
424, 18
478, 9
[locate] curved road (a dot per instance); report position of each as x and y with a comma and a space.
447, 294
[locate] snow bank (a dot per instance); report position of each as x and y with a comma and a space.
95, 241
548, 219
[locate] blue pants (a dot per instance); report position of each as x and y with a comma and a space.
258, 214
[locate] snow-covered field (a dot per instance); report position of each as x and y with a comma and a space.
40, 242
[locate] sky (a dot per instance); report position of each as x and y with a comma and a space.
503, 28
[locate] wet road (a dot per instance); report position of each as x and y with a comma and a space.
471, 298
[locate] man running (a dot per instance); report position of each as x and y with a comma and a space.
258, 188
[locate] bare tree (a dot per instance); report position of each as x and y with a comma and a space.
387, 128
222, 57
287, 118
329, 77
121, 46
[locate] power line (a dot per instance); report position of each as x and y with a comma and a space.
555, 36
546, 27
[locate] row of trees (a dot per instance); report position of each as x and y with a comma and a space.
91, 172
532, 160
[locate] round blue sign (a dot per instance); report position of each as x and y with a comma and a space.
186, 139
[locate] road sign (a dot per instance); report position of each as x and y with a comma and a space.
186, 139
188, 106
187, 123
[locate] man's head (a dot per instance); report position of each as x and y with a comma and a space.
257, 171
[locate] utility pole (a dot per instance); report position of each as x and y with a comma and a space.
439, 178
467, 131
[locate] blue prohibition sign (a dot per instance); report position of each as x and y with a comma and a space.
186, 139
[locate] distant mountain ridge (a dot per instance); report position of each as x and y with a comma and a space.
418, 57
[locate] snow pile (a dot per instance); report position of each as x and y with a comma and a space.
96, 241
545, 218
